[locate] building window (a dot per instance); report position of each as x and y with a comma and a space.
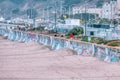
106, 10
91, 33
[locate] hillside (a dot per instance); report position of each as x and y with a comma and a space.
19, 7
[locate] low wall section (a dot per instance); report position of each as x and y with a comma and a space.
104, 53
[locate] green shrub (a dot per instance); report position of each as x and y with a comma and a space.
40, 28
67, 37
75, 31
104, 21
85, 38
117, 43
78, 36
107, 41
98, 40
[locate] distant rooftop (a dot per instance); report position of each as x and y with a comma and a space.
92, 5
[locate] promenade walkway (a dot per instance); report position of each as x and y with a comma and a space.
33, 61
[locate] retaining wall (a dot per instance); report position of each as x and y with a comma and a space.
104, 53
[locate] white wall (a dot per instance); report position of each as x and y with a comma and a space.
72, 22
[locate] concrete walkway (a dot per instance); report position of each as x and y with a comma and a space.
32, 61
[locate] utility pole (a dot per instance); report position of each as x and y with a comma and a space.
55, 16
61, 6
43, 14
111, 18
69, 11
85, 18
4, 13
113, 3
47, 13
33, 16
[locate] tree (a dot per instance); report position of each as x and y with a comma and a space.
15, 11
64, 16
1, 1
100, 3
70, 2
115, 22
32, 13
84, 16
76, 31
17, 1
104, 21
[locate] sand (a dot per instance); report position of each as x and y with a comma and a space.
33, 61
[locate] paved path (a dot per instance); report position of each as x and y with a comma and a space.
32, 61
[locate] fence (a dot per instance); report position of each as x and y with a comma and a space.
104, 53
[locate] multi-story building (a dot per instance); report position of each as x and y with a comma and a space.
83, 9
118, 10
108, 10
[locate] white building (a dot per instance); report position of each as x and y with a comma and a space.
2, 19
81, 9
118, 10
75, 22
108, 10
